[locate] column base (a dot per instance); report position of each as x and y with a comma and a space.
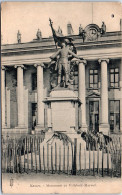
84, 127
16, 132
121, 129
5, 127
120, 84
50, 130
104, 128
39, 129
20, 127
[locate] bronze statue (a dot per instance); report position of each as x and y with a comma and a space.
63, 63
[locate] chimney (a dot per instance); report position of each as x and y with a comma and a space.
120, 24
69, 29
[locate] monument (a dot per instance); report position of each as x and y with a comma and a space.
63, 104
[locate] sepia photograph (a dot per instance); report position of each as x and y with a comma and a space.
61, 97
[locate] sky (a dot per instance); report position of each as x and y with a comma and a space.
29, 16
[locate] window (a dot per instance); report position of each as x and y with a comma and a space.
93, 78
115, 116
34, 81
94, 116
114, 77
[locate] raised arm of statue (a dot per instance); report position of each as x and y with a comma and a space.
73, 54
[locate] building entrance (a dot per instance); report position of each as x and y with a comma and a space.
94, 116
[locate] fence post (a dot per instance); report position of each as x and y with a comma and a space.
44, 159
39, 157
107, 157
48, 157
89, 159
98, 160
15, 157
35, 145
93, 160
72, 158
20, 159
80, 158
59, 159
6, 159
9, 159
17, 160
24, 153
75, 157
64, 159
116, 162
102, 162
84, 161
68, 160
55, 157
52, 158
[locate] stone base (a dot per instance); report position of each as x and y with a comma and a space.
15, 132
20, 127
5, 127
104, 128
84, 128
32, 132
39, 129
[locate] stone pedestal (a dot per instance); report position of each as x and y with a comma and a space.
63, 113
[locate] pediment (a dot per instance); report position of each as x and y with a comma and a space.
92, 94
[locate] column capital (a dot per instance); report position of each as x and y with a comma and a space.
19, 65
104, 59
41, 64
82, 62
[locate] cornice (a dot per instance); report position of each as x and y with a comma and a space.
49, 46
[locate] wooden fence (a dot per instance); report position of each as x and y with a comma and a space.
31, 155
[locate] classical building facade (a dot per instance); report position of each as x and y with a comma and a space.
96, 80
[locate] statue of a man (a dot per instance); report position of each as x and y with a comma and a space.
59, 30
19, 37
63, 63
103, 28
80, 30
39, 34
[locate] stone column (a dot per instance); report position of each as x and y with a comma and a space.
40, 104
76, 116
104, 124
20, 96
3, 95
121, 96
82, 93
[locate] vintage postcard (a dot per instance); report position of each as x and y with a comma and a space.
61, 94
